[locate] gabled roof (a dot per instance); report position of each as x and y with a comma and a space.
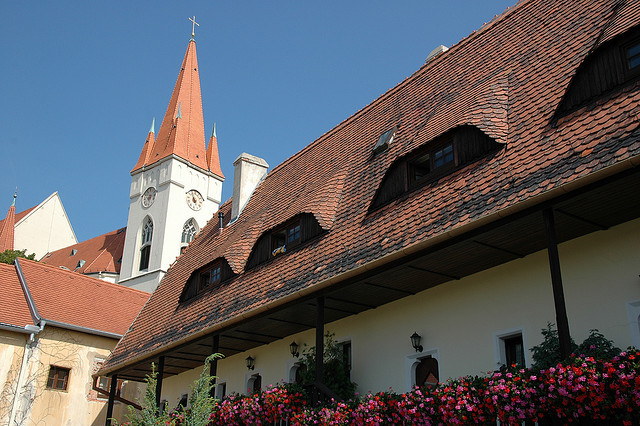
506, 79
182, 130
100, 254
66, 299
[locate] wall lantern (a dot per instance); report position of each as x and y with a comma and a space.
293, 348
250, 363
415, 342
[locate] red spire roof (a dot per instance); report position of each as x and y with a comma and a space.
213, 159
8, 225
146, 148
182, 130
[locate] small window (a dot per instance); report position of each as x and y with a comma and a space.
189, 231
346, 354
105, 384
145, 249
210, 277
206, 277
254, 384
58, 378
80, 263
514, 351
633, 55
184, 398
384, 141
73, 252
221, 390
427, 372
286, 237
282, 238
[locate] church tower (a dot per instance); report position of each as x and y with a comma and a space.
176, 185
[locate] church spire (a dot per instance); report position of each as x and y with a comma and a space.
7, 228
213, 159
147, 147
183, 138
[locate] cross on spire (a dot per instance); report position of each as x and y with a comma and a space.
193, 27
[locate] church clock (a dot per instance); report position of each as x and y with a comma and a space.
194, 199
149, 196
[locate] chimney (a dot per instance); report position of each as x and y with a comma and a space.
249, 171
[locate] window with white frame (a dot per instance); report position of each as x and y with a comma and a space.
509, 348
189, 231
423, 368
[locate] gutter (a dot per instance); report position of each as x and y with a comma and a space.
601, 174
84, 329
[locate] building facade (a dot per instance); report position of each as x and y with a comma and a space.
488, 194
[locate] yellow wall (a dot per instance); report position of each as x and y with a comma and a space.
63, 348
459, 320
11, 351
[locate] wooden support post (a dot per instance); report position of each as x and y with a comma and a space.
159, 377
319, 344
556, 282
112, 395
213, 367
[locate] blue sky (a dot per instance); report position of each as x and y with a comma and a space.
80, 82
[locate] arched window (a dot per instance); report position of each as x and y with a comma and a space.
145, 246
427, 372
189, 231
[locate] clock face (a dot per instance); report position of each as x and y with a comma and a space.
149, 196
194, 199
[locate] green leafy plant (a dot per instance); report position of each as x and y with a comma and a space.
598, 346
336, 375
196, 415
9, 256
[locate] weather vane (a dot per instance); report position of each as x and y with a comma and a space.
193, 27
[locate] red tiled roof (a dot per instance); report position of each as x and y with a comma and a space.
146, 151
100, 254
182, 136
72, 298
507, 79
13, 305
7, 228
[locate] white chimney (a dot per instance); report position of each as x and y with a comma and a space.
249, 171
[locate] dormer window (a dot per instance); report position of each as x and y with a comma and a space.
284, 238
433, 160
73, 252
633, 55
209, 276
608, 68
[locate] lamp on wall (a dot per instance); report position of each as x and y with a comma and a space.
415, 342
293, 348
250, 363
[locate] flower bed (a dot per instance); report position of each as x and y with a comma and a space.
583, 389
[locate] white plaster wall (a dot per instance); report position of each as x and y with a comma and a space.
459, 320
46, 228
